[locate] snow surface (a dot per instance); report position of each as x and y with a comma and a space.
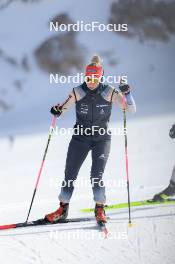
23, 132
150, 240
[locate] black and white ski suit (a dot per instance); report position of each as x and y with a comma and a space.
93, 109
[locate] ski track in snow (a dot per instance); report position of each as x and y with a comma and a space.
27, 250
144, 241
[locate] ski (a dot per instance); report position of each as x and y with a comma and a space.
133, 204
101, 225
44, 221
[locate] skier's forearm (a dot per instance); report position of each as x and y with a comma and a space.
130, 105
58, 109
68, 102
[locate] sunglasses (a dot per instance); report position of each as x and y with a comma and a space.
92, 80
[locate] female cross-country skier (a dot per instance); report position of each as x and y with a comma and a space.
170, 189
93, 101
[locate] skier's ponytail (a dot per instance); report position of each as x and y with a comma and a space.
95, 69
96, 61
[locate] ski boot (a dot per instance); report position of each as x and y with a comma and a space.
169, 191
60, 214
100, 213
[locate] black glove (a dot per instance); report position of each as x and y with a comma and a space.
172, 131
124, 88
56, 110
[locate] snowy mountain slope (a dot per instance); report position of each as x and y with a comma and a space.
148, 65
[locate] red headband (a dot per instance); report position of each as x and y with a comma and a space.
94, 71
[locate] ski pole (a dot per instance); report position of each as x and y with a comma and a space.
42, 163
126, 159
41, 167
